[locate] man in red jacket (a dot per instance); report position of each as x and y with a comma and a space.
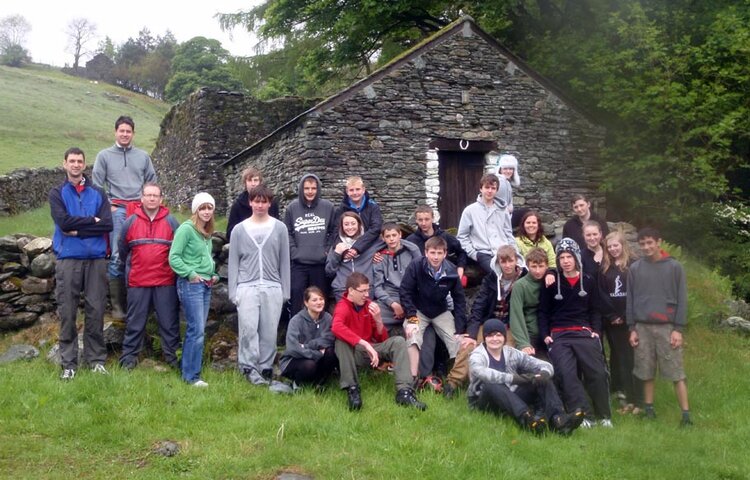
361, 340
144, 256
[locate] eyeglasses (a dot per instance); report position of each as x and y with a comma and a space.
363, 291
152, 195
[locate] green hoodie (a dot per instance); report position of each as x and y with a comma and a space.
190, 254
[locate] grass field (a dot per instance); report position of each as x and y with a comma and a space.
45, 111
106, 427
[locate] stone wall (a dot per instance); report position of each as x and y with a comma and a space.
27, 281
463, 88
26, 189
205, 130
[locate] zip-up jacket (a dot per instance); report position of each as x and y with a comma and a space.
74, 211
305, 337
372, 220
484, 229
190, 254
490, 302
387, 274
340, 269
352, 324
122, 172
421, 291
311, 226
144, 248
455, 251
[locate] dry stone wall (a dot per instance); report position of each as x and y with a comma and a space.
25, 189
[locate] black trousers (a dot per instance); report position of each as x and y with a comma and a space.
580, 369
303, 276
498, 398
316, 372
433, 352
164, 302
621, 364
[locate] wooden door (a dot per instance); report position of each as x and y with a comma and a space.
459, 174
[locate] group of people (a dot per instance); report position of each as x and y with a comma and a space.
529, 347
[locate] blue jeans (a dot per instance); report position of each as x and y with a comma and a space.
195, 299
118, 218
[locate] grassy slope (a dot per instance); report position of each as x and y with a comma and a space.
105, 427
45, 111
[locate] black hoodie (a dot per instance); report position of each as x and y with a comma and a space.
311, 226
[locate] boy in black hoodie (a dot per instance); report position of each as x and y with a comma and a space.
357, 200
309, 220
570, 325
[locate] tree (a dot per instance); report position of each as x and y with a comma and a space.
107, 47
199, 62
80, 32
13, 32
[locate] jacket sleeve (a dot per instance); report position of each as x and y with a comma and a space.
99, 172
333, 261
517, 317
325, 338
331, 228
629, 306
177, 251
123, 244
680, 314
455, 248
294, 346
289, 222
274, 210
409, 289
527, 364
482, 306
285, 263
378, 282
604, 304
459, 307
340, 328
595, 317
149, 174
233, 268
234, 218
464, 234
372, 229
105, 223
544, 313
68, 222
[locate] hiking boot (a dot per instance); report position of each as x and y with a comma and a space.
128, 365
565, 424
536, 424
68, 374
99, 368
406, 397
354, 397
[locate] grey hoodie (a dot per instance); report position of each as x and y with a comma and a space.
305, 337
657, 293
387, 277
484, 229
122, 172
311, 227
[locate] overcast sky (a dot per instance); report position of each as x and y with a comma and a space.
122, 19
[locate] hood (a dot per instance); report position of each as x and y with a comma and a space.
503, 194
348, 205
300, 193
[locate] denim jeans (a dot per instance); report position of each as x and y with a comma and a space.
195, 299
118, 218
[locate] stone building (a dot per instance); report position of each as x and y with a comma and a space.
421, 129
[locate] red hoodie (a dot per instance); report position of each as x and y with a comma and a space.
351, 324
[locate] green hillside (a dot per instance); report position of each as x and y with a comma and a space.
45, 111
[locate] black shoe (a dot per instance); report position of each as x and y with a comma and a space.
355, 399
406, 397
536, 424
267, 374
565, 424
685, 422
129, 365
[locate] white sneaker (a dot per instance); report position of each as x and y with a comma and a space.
99, 368
68, 374
199, 384
586, 423
606, 423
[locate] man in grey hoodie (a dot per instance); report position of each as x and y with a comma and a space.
121, 170
309, 221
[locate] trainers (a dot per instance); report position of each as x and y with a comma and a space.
355, 399
252, 376
199, 384
68, 374
606, 423
99, 368
586, 423
406, 397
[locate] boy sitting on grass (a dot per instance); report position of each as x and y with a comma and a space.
507, 381
656, 316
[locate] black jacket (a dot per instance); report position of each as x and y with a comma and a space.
372, 220
455, 252
241, 210
573, 310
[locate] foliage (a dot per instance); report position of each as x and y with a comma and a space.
199, 62
80, 32
13, 32
143, 64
